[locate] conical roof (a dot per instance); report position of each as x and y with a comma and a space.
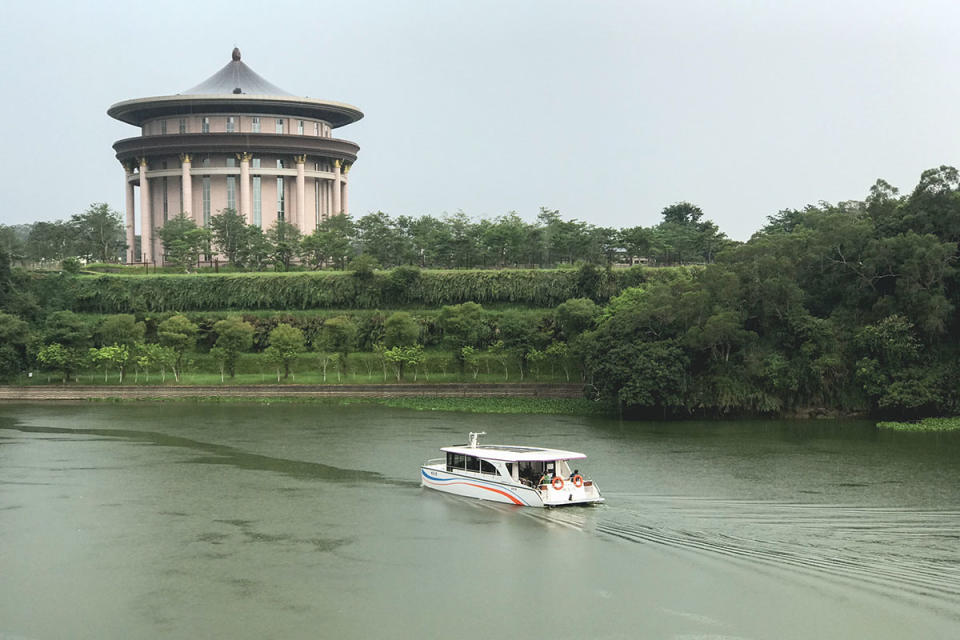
236, 78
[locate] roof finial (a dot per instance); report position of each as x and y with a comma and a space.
236, 54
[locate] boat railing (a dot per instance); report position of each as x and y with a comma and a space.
433, 461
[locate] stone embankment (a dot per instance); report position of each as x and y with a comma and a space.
79, 392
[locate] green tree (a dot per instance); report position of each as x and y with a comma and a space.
575, 316
339, 335
99, 233
330, 243
230, 235
400, 330
183, 242
284, 241
14, 340
463, 325
234, 336
56, 357
254, 252
122, 329
285, 346
180, 335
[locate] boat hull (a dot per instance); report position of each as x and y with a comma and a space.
485, 488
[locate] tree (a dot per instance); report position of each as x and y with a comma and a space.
683, 213
284, 241
285, 345
230, 235
339, 335
463, 325
400, 330
254, 252
183, 242
122, 329
471, 358
56, 357
330, 242
559, 353
233, 337
111, 356
179, 334
99, 233
14, 338
221, 357
151, 354
575, 316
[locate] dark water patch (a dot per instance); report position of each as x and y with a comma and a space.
225, 455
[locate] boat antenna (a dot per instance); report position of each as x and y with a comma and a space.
474, 437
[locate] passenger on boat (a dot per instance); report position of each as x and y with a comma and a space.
575, 473
545, 478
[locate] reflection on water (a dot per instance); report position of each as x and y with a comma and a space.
184, 520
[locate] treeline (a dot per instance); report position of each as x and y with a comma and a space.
378, 240
846, 307
850, 306
455, 338
94, 235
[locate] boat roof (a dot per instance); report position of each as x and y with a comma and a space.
512, 453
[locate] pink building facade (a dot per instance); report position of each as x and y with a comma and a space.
235, 141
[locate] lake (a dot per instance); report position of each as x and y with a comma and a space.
186, 520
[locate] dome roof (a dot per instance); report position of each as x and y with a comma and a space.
236, 88
236, 78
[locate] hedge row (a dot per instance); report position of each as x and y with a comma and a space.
339, 290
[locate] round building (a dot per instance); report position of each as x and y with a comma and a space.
234, 141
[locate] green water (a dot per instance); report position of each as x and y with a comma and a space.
298, 521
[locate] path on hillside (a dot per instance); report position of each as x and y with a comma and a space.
453, 390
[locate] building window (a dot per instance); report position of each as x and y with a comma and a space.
165, 204
316, 128
279, 125
206, 201
163, 127
255, 124
280, 198
230, 124
232, 193
256, 199
183, 125
205, 162
205, 127
300, 128
279, 164
256, 163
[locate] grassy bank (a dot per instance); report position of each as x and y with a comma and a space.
925, 425
529, 406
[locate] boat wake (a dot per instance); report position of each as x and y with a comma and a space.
911, 552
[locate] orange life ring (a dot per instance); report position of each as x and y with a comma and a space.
556, 486
578, 481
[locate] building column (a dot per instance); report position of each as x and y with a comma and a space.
245, 209
146, 217
130, 211
343, 198
336, 187
301, 199
186, 184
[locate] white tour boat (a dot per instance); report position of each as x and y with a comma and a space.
526, 476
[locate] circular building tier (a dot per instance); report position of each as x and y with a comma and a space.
234, 141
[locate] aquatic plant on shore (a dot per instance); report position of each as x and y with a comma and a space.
927, 424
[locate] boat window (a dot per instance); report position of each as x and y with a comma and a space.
456, 461
473, 463
487, 467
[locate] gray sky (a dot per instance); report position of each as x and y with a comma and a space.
607, 111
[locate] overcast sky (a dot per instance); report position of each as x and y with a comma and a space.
607, 111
